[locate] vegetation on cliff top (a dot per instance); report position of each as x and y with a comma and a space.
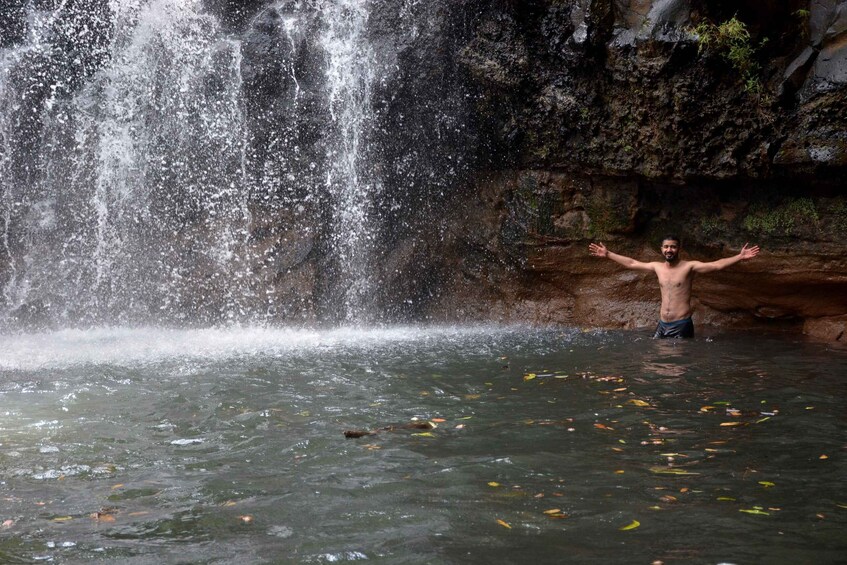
731, 40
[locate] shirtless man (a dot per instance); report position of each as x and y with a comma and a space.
675, 278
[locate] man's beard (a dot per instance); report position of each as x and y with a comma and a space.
671, 257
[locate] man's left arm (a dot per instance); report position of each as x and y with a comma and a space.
745, 254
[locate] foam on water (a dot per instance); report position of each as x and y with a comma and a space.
134, 346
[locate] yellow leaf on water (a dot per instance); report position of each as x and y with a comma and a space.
424, 434
619, 472
636, 402
472, 396
504, 524
767, 484
731, 423
553, 511
706, 408
117, 486
229, 503
824, 457
754, 511
631, 526
494, 484
726, 499
529, 376
63, 519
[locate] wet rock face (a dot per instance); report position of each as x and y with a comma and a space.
616, 125
521, 255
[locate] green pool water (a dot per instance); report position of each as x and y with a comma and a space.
546, 446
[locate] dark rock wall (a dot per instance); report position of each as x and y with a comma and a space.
608, 122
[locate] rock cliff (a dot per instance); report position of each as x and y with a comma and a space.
613, 121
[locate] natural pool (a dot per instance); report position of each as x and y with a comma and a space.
227, 446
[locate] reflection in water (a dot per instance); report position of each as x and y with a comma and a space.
227, 446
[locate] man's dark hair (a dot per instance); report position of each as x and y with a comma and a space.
673, 237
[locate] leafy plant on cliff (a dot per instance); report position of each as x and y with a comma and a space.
786, 219
731, 40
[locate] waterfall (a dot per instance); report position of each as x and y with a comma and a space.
350, 72
159, 167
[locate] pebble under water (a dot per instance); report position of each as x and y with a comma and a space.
548, 446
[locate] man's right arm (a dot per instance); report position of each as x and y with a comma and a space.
599, 250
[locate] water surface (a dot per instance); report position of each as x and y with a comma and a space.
224, 446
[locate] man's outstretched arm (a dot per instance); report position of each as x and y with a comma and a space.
745, 254
599, 250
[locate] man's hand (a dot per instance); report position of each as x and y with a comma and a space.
599, 250
748, 253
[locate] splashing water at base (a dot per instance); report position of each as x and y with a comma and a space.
218, 446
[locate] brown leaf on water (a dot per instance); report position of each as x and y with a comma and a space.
824, 457
504, 524
102, 517
603, 427
246, 519
438, 420
668, 498
725, 424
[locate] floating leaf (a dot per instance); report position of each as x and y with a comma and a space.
844, 506
636, 402
824, 457
117, 486
438, 420
460, 426
472, 396
765, 419
767, 484
755, 511
63, 519
671, 471
619, 472
726, 499
229, 503
603, 427
631, 526
504, 524
246, 519
529, 376
494, 484
706, 408
424, 434
731, 423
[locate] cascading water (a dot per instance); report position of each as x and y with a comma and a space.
351, 70
140, 174
133, 202
161, 164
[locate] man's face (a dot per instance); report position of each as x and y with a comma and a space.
670, 250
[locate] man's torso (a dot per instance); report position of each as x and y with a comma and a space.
675, 285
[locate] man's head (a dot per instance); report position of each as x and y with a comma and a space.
671, 245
